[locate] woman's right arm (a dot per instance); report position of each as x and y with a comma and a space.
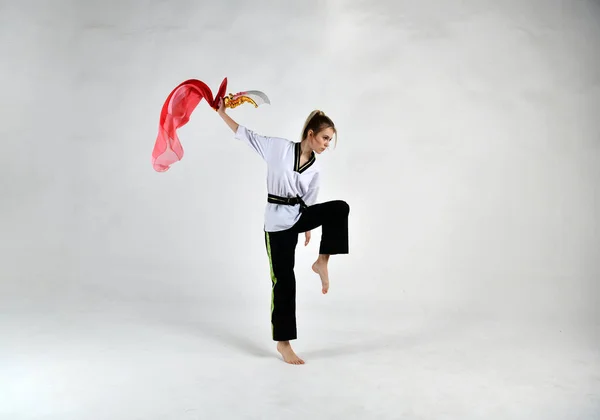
228, 120
260, 144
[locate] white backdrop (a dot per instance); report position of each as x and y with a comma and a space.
469, 152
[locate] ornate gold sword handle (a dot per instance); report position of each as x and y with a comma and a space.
231, 102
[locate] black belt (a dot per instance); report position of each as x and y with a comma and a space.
288, 201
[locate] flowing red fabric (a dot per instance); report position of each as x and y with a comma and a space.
176, 112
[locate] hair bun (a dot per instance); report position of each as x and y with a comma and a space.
315, 113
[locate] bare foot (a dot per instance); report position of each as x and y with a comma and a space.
285, 348
320, 267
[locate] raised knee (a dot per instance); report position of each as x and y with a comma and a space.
344, 208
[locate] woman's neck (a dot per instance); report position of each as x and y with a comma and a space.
305, 148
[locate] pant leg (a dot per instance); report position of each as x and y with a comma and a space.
281, 249
332, 216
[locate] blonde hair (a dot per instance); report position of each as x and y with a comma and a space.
317, 121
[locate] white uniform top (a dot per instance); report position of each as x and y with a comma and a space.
285, 176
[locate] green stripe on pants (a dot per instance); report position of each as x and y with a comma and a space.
273, 278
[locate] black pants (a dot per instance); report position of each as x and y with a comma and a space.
332, 216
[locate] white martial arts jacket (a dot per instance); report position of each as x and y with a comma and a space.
285, 177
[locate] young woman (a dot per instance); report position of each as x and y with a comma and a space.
291, 209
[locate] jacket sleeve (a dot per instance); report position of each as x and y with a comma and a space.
260, 144
311, 195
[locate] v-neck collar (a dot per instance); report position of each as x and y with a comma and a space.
297, 155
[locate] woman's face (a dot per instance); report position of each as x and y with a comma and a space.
320, 142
